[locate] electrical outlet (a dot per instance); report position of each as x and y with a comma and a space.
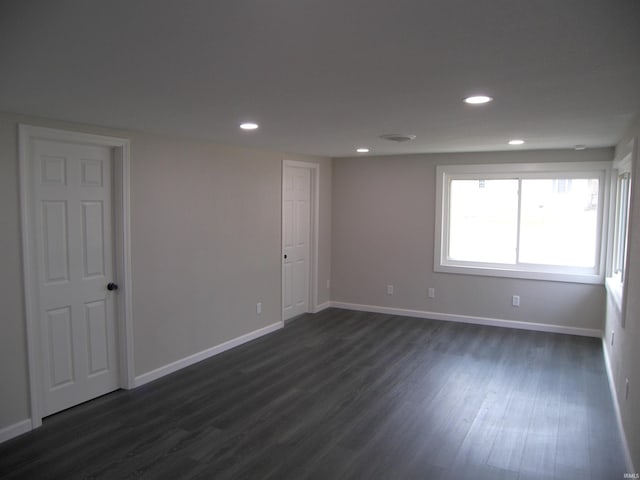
389, 289
432, 293
259, 308
515, 301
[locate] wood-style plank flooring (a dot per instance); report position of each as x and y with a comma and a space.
349, 395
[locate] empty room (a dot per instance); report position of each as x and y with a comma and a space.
320, 240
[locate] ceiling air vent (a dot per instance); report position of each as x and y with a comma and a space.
397, 137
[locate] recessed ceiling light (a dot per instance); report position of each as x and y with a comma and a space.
249, 126
516, 141
362, 150
478, 99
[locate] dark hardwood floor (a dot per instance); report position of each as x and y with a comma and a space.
350, 395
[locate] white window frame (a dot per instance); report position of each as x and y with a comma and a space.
617, 278
446, 173
620, 223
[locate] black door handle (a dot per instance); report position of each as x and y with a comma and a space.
112, 286
285, 256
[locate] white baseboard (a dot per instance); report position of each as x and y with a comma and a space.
210, 352
12, 431
616, 407
322, 306
494, 322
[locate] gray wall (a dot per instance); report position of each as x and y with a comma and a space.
205, 232
383, 233
624, 354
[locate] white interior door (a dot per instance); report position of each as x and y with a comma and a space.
296, 219
73, 230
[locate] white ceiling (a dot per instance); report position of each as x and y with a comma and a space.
325, 76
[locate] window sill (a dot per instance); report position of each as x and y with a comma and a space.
523, 274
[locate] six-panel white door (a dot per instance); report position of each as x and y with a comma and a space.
296, 212
73, 223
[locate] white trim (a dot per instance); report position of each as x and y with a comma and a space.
450, 317
528, 275
630, 164
624, 150
616, 289
314, 169
12, 431
616, 408
27, 133
33, 352
613, 287
203, 355
122, 233
322, 306
515, 171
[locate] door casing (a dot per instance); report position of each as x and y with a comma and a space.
122, 253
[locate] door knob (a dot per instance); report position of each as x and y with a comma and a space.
112, 286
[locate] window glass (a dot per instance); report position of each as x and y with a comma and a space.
559, 222
483, 223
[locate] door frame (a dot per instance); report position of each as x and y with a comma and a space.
122, 253
314, 226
